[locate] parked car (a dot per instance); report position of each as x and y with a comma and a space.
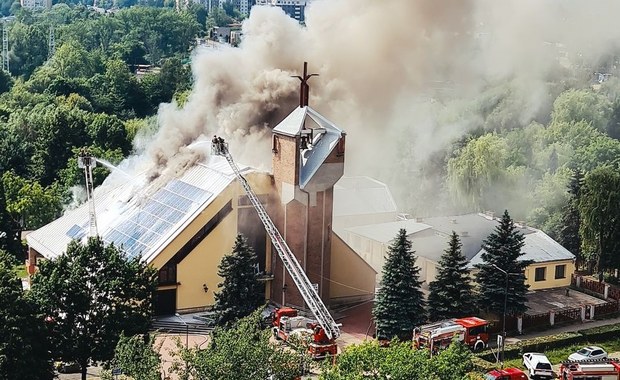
68, 367
506, 374
589, 353
537, 366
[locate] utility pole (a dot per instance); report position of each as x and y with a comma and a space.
504, 314
51, 43
5, 47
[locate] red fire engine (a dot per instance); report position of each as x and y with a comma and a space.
608, 369
472, 331
287, 323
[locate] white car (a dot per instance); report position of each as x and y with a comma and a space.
537, 366
589, 353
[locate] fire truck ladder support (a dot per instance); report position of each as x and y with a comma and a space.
309, 294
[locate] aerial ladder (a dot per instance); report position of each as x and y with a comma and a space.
87, 162
308, 292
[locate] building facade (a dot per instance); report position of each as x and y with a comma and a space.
294, 8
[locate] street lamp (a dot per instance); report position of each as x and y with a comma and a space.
504, 314
186, 329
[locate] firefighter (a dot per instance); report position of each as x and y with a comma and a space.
215, 144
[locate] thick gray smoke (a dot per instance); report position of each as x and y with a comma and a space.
397, 75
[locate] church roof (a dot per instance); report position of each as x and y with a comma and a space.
136, 216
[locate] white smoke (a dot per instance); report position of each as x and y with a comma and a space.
396, 75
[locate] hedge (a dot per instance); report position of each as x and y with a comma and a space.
543, 343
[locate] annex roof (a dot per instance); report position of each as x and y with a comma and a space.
361, 196
386, 232
138, 217
538, 247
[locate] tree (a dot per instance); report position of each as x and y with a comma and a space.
451, 294
600, 217
399, 305
571, 219
476, 167
502, 248
582, 105
138, 357
240, 292
243, 351
24, 353
9, 239
399, 362
91, 294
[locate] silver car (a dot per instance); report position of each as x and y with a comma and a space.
589, 353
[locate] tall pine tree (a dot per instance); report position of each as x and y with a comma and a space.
451, 294
571, 219
399, 304
241, 292
503, 249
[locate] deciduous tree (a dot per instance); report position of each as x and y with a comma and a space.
399, 304
243, 351
91, 294
240, 292
600, 217
24, 352
138, 357
502, 249
451, 294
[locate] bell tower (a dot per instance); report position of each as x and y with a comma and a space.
308, 159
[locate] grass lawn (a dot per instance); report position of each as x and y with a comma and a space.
560, 354
20, 270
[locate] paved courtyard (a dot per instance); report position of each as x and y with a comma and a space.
543, 301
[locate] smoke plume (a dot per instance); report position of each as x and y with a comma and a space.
398, 76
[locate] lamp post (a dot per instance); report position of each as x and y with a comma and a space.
186, 329
504, 314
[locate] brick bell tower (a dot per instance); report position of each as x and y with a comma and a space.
308, 159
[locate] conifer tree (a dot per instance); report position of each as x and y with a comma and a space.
399, 304
451, 294
502, 248
571, 219
241, 292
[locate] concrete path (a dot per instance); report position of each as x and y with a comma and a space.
565, 328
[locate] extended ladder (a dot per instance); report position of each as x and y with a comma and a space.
309, 294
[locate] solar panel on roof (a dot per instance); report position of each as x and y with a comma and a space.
76, 232
145, 226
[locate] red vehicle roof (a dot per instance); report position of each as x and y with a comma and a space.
506, 371
471, 322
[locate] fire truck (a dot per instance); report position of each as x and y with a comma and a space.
323, 329
608, 369
287, 323
472, 331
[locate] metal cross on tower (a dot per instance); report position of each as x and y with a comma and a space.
304, 91
5, 47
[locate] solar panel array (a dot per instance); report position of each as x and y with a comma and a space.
146, 225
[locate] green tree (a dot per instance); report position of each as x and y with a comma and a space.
9, 239
92, 293
582, 105
480, 164
138, 357
502, 248
30, 204
571, 219
600, 217
399, 362
451, 294
24, 353
243, 351
240, 291
399, 304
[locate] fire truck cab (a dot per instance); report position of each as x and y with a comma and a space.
608, 369
472, 331
287, 323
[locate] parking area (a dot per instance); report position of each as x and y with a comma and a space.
543, 301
